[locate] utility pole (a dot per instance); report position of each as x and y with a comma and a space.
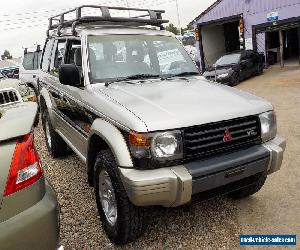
127, 4
178, 16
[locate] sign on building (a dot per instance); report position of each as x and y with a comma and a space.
273, 16
248, 43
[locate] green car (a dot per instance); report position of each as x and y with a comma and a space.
29, 211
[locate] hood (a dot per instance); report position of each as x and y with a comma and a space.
182, 103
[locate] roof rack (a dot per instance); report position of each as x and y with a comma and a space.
152, 18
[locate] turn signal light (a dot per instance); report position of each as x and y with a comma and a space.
139, 140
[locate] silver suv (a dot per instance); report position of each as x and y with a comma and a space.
125, 96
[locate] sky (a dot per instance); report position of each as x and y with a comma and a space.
23, 23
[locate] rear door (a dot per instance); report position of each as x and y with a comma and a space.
246, 65
253, 60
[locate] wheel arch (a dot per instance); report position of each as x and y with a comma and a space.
104, 135
32, 85
45, 102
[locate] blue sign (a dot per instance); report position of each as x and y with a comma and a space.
273, 16
268, 240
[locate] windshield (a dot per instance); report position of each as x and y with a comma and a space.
229, 59
121, 56
1, 76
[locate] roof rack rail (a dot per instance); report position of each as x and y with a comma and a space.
152, 18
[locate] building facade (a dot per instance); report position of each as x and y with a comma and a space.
271, 27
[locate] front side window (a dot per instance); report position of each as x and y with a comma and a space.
121, 56
58, 58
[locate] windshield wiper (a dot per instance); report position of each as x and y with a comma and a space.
141, 76
192, 73
133, 77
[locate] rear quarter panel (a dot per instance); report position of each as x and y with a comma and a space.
6, 153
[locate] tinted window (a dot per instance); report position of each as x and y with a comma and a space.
47, 55
229, 59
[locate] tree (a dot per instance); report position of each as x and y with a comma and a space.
172, 28
6, 55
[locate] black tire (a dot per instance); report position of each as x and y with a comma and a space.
250, 190
57, 147
261, 69
130, 222
235, 80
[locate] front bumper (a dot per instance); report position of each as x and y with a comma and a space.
35, 228
226, 80
174, 186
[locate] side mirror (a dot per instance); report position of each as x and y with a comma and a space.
69, 75
243, 62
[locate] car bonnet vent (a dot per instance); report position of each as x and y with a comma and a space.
9, 96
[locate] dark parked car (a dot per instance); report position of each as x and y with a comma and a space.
10, 72
232, 68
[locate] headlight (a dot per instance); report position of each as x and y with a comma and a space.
167, 145
268, 126
160, 146
222, 76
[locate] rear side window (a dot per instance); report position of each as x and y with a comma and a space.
47, 55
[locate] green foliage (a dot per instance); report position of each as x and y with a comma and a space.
172, 28
6, 55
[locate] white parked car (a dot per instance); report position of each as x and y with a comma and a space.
29, 69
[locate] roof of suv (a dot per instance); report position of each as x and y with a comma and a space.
143, 21
111, 30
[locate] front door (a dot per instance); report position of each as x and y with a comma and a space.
74, 120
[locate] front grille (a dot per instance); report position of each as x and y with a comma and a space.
8, 96
211, 78
209, 140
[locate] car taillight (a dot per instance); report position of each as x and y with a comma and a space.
25, 168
